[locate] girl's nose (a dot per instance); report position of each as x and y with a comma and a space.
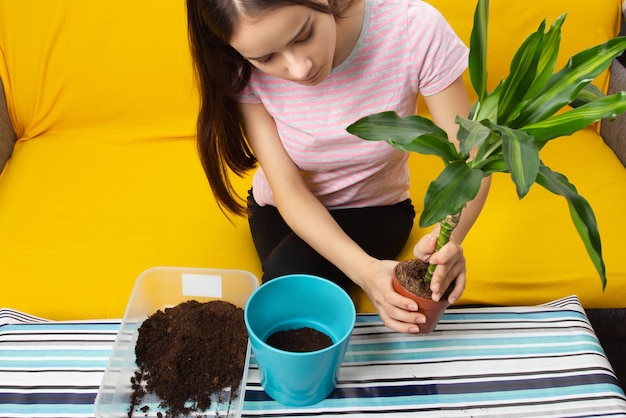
299, 67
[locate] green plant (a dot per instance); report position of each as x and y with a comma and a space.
508, 126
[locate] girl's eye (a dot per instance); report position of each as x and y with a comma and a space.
307, 38
265, 60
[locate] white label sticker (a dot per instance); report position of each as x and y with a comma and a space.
202, 285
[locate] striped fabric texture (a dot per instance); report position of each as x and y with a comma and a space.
542, 361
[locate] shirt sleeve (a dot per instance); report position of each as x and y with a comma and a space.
247, 96
438, 54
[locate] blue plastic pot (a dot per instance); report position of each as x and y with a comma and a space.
292, 302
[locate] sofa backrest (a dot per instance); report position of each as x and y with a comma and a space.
125, 65
510, 22
107, 67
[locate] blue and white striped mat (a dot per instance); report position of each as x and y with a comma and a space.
542, 361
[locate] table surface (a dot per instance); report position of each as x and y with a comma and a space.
542, 361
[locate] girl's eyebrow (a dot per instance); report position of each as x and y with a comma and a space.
300, 32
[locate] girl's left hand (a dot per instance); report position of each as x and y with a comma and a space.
450, 263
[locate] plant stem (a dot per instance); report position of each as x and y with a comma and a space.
447, 226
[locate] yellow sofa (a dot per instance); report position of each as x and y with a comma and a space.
101, 179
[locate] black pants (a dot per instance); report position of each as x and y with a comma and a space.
381, 231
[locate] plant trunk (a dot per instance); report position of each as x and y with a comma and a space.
447, 226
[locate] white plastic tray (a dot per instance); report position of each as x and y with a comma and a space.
159, 288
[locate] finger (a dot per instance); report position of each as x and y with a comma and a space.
443, 277
447, 253
425, 247
401, 326
401, 314
459, 288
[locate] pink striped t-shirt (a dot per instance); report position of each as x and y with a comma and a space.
405, 47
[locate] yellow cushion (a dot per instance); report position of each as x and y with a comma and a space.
528, 252
82, 217
525, 252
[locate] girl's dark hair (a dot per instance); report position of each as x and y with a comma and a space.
222, 73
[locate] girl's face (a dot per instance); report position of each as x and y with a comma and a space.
295, 43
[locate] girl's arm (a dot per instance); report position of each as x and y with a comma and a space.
312, 222
444, 107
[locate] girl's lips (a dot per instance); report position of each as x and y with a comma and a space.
312, 78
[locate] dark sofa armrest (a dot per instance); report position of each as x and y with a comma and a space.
7, 135
614, 133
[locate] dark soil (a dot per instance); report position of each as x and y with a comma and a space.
188, 352
410, 274
300, 340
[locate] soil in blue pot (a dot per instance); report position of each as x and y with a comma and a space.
300, 340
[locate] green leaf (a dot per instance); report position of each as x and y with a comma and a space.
449, 193
521, 158
608, 107
565, 85
522, 74
548, 58
471, 134
478, 49
389, 125
588, 94
582, 215
494, 165
410, 133
431, 145
487, 109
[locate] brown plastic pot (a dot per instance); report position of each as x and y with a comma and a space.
431, 309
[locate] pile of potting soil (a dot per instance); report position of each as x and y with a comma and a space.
188, 352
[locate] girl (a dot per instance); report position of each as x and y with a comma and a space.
280, 81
